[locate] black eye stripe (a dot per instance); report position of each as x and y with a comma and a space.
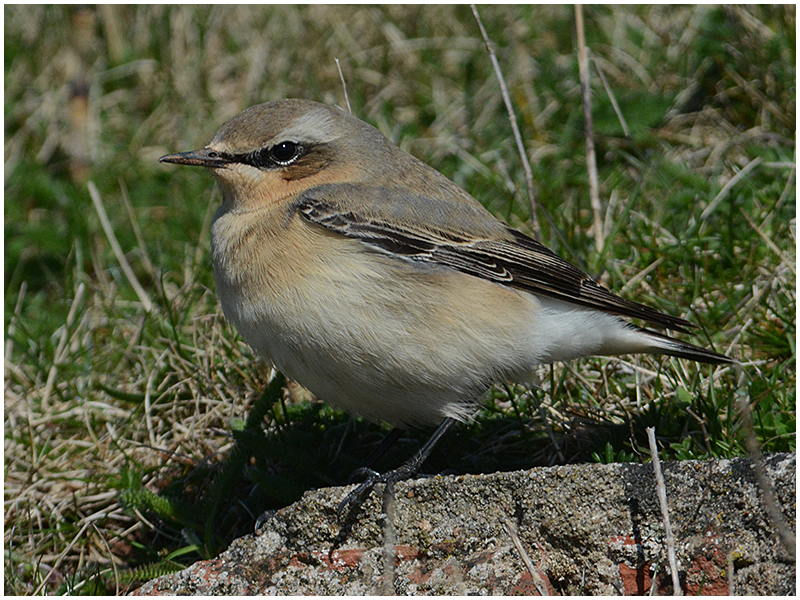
280, 155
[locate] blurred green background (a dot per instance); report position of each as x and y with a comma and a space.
137, 437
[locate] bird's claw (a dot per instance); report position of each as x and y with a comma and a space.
357, 496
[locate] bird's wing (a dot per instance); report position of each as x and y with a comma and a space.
462, 237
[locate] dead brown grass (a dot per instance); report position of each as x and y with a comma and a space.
98, 387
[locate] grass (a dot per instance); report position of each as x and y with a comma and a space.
137, 442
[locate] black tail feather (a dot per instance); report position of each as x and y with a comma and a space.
681, 349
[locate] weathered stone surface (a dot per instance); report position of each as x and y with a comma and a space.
586, 529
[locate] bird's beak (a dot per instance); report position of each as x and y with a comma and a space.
197, 158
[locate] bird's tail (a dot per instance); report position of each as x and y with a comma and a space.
663, 344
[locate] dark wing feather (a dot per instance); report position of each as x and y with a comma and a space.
510, 258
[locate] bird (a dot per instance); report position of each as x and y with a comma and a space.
381, 286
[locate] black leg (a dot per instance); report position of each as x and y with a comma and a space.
405, 471
387, 443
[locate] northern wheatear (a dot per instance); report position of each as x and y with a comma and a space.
380, 285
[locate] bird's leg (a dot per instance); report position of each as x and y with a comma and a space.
405, 471
387, 443
408, 469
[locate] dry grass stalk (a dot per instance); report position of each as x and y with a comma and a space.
591, 160
513, 120
144, 297
538, 580
389, 539
768, 497
661, 490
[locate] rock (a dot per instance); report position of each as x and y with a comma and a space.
583, 529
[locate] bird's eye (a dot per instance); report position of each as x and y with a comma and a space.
285, 153
212, 154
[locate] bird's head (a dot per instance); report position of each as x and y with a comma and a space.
277, 149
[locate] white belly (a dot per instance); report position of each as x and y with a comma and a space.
386, 338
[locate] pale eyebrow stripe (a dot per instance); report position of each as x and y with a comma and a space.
315, 127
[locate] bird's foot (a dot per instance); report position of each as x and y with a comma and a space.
356, 498
350, 506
